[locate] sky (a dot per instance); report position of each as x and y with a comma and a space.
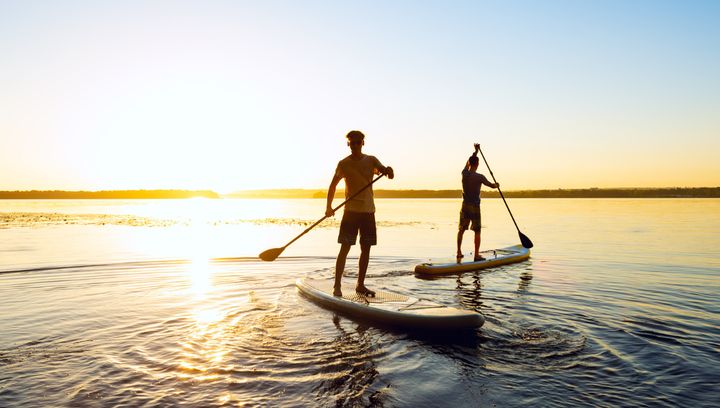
235, 95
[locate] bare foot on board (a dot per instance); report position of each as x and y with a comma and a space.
337, 291
364, 291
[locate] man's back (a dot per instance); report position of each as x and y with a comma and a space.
471, 182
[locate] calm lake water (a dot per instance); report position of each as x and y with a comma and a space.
164, 303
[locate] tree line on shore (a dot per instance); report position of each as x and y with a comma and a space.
673, 192
107, 194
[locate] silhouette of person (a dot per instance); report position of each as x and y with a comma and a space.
470, 211
359, 215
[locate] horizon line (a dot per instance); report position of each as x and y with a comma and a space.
308, 189
593, 192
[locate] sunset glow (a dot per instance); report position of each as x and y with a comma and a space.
233, 96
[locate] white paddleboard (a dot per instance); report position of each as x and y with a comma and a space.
494, 257
389, 307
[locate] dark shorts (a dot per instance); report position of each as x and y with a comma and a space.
469, 213
352, 222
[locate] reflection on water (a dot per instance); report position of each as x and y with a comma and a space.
353, 362
470, 291
199, 273
525, 279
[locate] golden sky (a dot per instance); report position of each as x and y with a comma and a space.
252, 95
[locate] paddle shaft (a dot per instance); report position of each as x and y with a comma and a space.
334, 209
500, 191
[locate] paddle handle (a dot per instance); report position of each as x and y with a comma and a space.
500, 191
335, 209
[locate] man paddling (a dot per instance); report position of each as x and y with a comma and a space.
470, 211
357, 169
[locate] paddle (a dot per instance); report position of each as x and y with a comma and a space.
523, 239
272, 253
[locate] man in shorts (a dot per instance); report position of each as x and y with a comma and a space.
470, 211
357, 169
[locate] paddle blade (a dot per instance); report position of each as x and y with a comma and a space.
270, 254
525, 241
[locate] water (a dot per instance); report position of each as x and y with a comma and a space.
163, 303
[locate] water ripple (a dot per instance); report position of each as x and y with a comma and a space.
233, 331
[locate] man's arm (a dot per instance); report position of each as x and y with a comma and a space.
467, 163
331, 194
384, 170
389, 171
488, 183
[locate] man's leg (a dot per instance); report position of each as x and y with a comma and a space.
340, 268
477, 227
459, 242
463, 224
362, 269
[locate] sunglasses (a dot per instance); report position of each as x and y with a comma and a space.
355, 142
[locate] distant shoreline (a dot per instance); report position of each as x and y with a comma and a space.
105, 194
670, 192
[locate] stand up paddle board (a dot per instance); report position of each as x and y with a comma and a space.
389, 307
494, 257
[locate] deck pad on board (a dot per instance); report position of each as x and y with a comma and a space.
349, 293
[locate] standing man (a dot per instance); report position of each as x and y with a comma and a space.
357, 169
470, 211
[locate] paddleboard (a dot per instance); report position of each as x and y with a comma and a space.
494, 257
389, 307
